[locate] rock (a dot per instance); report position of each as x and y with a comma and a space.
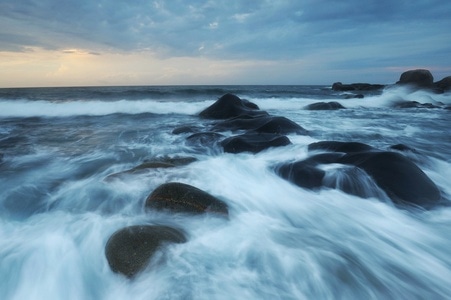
203, 140
354, 96
444, 84
185, 129
261, 124
403, 148
229, 106
338, 86
302, 174
334, 146
253, 142
414, 104
129, 250
419, 77
165, 162
324, 106
184, 198
400, 178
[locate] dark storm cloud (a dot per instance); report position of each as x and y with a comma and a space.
226, 29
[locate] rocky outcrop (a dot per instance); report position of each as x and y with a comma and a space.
229, 106
444, 84
400, 178
338, 86
184, 198
324, 106
253, 142
419, 78
129, 250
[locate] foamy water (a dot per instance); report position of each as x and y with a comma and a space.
281, 241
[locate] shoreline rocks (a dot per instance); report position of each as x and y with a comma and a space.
401, 179
183, 198
129, 250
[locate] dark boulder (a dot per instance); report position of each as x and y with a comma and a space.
229, 106
444, 84
414, 104
301, 173
261, 124
345, 147
253, 142
324, 106
184, 198
204, 140
338, 86
419, 77
400, 178
129, 250
354, 96
403, 148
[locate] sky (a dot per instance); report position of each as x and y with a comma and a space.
143, 42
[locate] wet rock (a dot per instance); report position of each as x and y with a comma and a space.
444, 84
402, 180
301, 173
253, 142
184, 198
164, 162
414, 104
419, 77
129, 250
229, 106
261, 124
354, 96
403, 148
334, 146
204, 140
186, 129
324, 106
338, 86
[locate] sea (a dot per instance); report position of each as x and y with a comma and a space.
59, 205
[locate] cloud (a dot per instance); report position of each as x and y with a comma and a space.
354, 32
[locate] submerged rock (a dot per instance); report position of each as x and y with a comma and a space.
129, 250
186, 129
165, 162
354, 96
184, 198
324, 106
229, 106
253, 142
414, 104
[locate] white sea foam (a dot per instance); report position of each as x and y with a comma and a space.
24, 108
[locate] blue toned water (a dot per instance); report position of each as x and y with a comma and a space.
57, 210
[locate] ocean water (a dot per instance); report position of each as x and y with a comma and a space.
58, 208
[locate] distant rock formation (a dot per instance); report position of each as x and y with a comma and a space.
338, 86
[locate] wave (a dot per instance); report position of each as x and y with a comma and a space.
25, 108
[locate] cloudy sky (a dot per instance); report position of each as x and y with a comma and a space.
141, 42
